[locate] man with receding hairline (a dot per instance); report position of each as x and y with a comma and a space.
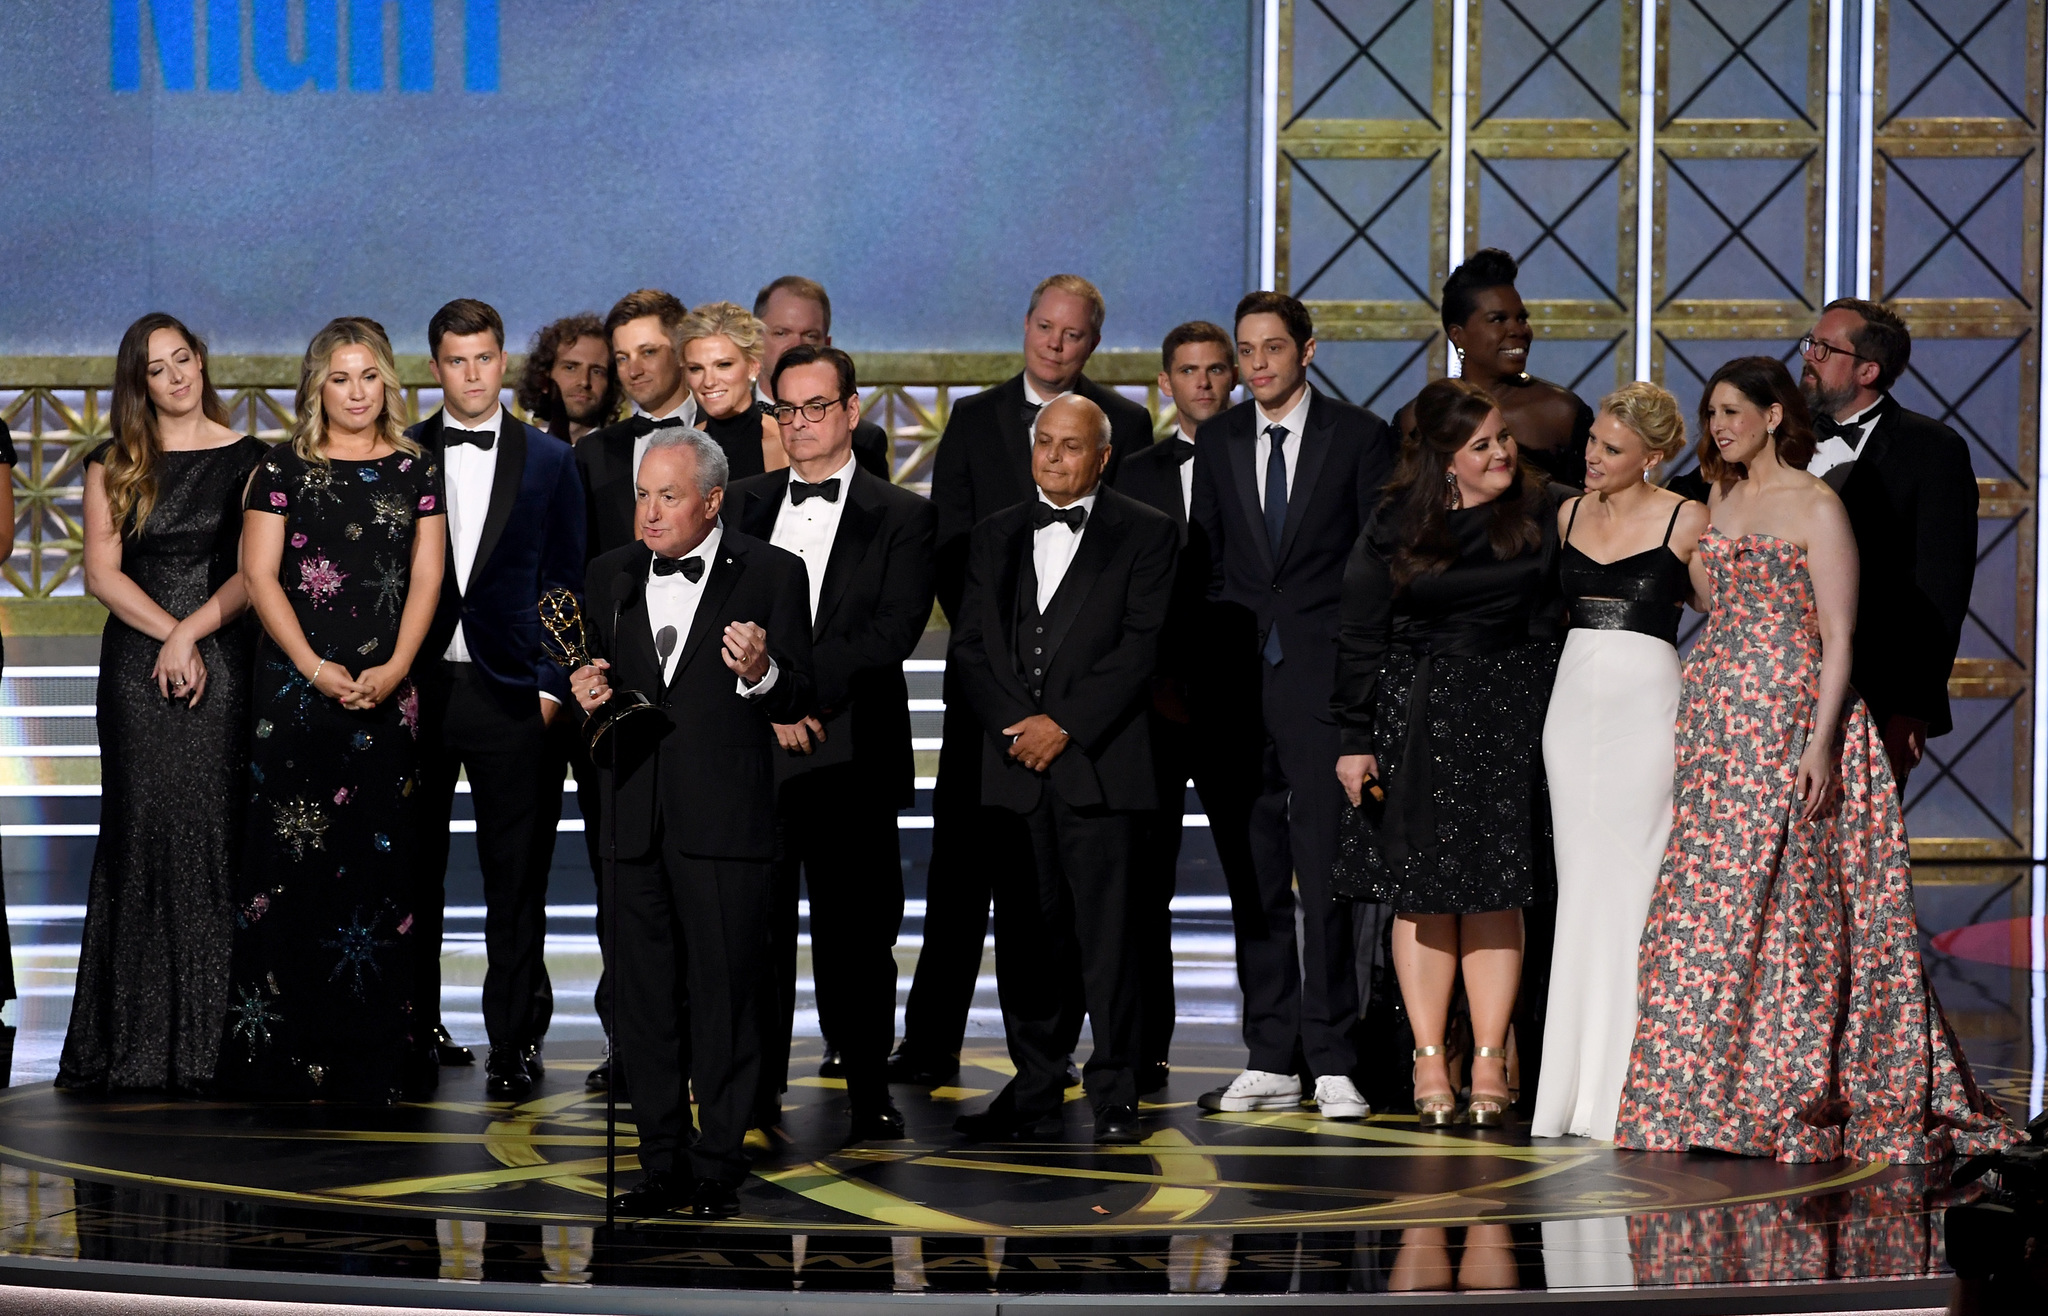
1053, 653
796, 310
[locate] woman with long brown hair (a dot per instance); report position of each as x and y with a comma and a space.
343, 542
162, 533
1783, 1008
1439, 705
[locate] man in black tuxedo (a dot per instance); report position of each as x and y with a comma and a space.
692, 834
796, 311
1054, 649
983, 466
846, 770
642, 329
487, 693
1284, 481
1906, 482
1205, 713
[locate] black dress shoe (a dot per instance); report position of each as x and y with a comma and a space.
447, 1053
599, 1079
1117, 1126
711, 1200
1152, 1077
1004, 1125
506, 1076
909, 1067
1073, 1073
833, 1065
535, 1070
658, 1194
883, 1123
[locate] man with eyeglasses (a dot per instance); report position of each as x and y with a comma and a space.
844, 771
1905, 480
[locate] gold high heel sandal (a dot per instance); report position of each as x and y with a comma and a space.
1488, 1111
1434, 1110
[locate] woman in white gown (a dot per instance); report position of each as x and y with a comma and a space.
1607, 747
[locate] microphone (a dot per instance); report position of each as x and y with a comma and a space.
664, 643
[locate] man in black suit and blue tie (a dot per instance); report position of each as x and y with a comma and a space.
1284, 482
487, 693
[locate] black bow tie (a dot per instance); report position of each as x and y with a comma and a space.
1180, 452
1827, 427
825, 489
665, 423
452, 435
1030, 413
691, 567
1044, 514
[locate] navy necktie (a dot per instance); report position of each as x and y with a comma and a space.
1276, 517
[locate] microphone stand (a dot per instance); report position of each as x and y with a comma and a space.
609, 841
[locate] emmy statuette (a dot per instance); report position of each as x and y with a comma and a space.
562, 617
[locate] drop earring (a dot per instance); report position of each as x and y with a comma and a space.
1453, 500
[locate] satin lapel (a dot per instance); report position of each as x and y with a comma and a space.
1880, 437
725, 573
633, 640
1243, 456
1017, 574
1016, 440
859, 522
757, 518
1099, 543
511, 469
1315, 451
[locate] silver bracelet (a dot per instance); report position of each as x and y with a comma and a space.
316, 671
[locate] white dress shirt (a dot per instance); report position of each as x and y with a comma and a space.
672, 601
1295, 421
1835, 451
1187, 476
468, 472
808, 531
1053, 549
687, 413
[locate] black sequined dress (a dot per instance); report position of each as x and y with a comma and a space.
1446, 681
320, 1001
153, 960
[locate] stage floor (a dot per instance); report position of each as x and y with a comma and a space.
510, 1196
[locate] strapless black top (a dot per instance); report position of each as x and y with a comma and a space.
1644, 592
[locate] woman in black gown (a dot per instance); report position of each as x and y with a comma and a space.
162, 530
1440, 696
722, 357
343, 542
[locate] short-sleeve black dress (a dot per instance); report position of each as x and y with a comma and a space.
320, 996
1446, 680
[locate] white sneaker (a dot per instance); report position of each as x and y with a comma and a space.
1338, 1098
1255, 1089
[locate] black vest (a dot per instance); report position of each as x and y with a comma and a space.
1030, 652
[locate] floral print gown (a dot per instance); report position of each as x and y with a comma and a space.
319, 1002
1783, 1010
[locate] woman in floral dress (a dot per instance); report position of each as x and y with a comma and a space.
1783, 1010
342, 549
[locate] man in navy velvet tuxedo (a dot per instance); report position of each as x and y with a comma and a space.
487, 692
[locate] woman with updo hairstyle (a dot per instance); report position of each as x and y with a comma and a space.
720, 343
1439, 706
1488, 327
1627, 547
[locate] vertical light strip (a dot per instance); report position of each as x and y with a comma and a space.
1269, 153
1831, 259
1646, 183
1866, 123
2037, 939
1454, 248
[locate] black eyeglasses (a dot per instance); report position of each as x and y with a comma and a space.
1820, 351
813, 411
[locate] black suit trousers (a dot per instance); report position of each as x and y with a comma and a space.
1062, 948
971, 842
691, 936
838, 832
1226, 777
469, 723
570, 755
1297, 995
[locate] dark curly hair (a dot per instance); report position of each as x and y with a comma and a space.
1489, 267
1413, 517
1763, 380
536, 394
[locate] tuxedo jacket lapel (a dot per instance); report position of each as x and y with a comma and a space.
633, 640
718, 586
1018, 576
505, 481
1315, 450
1016, 440
1105, 532
757, 518
1243, 457
859, 521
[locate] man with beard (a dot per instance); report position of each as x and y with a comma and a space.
1906, 482
568, 386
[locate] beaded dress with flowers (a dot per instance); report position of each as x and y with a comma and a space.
319, 1001
1782, 1006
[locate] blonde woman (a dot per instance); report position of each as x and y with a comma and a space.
163, 528
342, 547
1627, 546
721, 349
